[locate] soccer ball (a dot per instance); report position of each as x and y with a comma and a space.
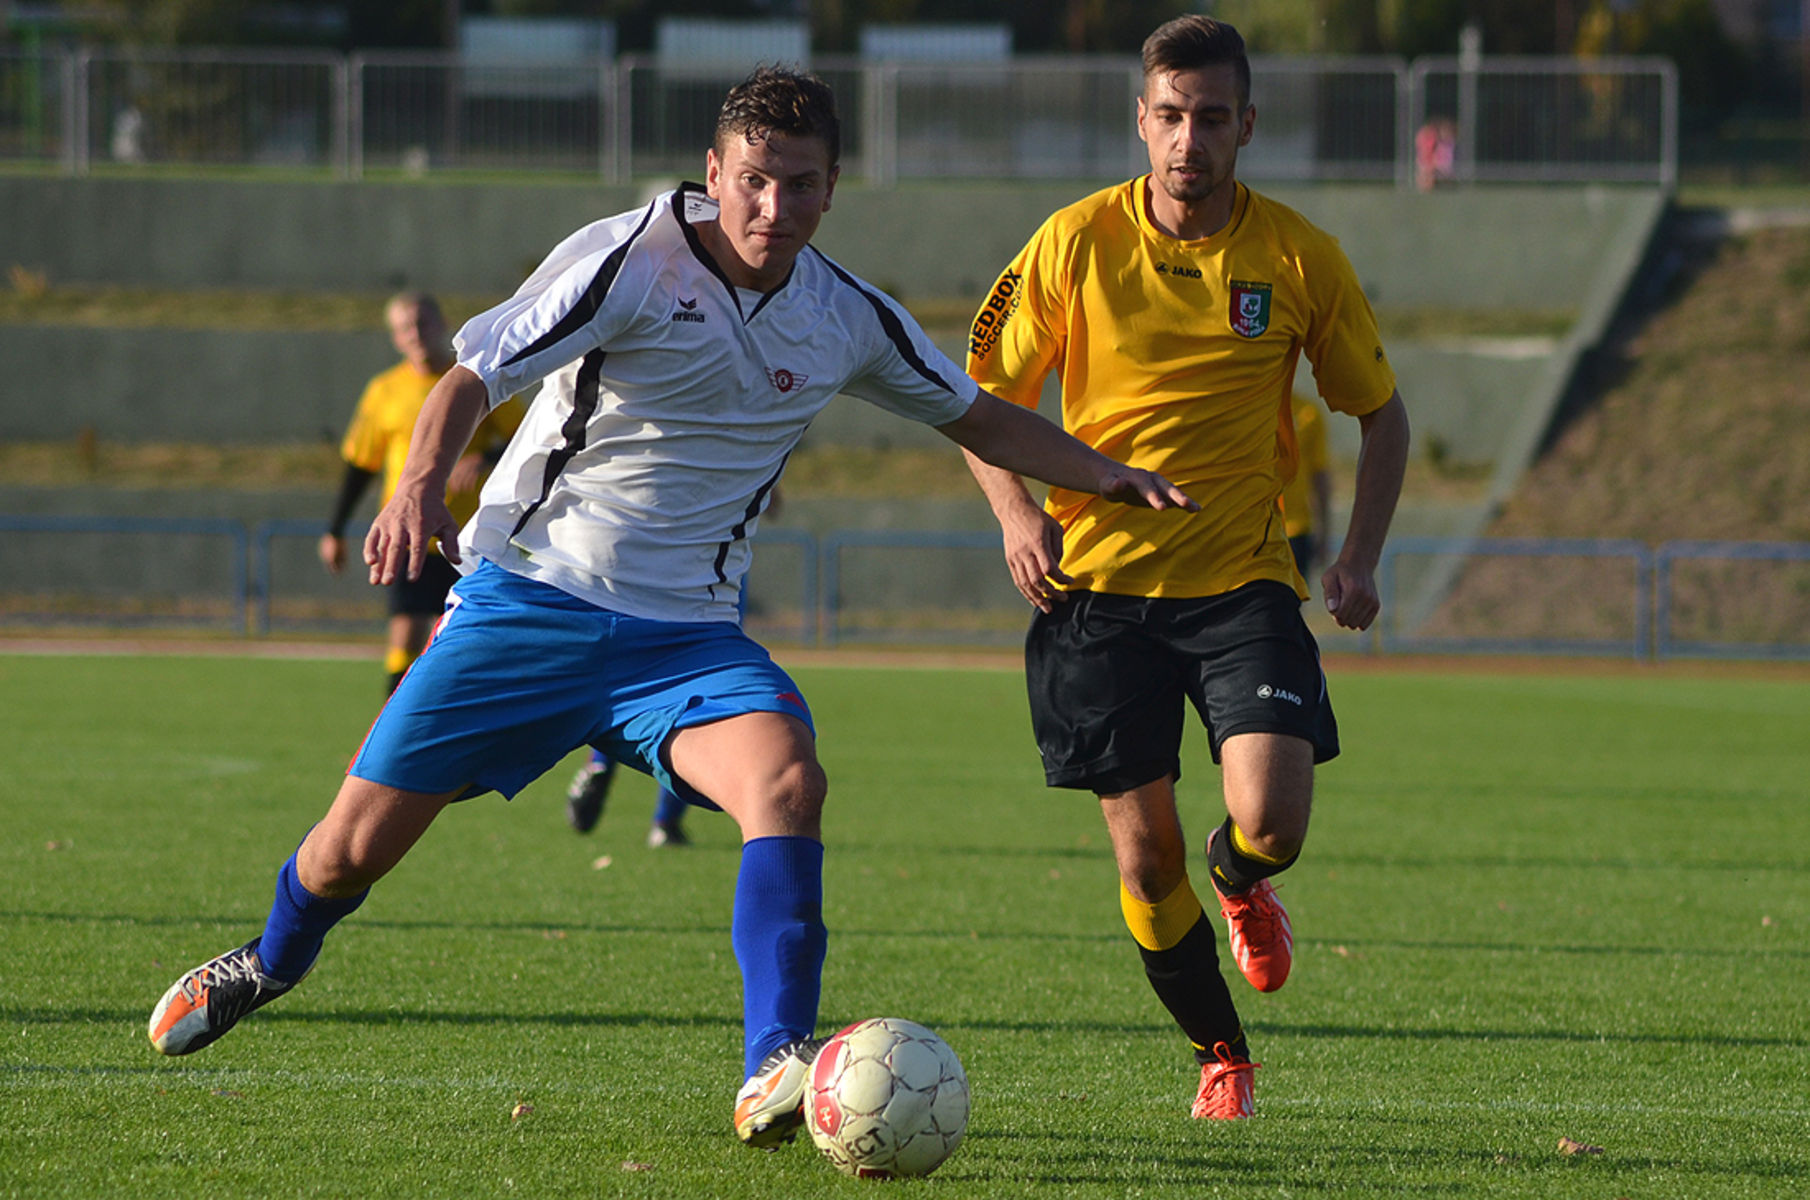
887, 1097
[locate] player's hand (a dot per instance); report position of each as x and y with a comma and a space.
403, 532
467, 474
1143, 489
332, 549
1033, 545
1351, 595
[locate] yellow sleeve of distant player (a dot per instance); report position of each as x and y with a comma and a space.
367, 441
1019, 332
499, 425
1350, 368
1310, 435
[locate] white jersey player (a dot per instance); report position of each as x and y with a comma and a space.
688, 345
642, 469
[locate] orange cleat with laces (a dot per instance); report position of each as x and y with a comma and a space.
1225, 1087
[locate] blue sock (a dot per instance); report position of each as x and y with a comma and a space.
668, 808
779, 942
298, 923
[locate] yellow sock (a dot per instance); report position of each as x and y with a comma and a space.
1161, 925
396, 660
1244, 847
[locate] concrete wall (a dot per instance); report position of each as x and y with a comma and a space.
1522, 247
1550, 248
150, 385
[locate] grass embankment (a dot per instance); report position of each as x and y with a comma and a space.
827, 472
1697, 431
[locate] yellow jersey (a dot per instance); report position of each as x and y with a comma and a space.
1298, 494
1179, 357
378, 437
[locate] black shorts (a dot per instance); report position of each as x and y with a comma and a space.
1107, 676
426, 596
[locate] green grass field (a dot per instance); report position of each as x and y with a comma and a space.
1534, 907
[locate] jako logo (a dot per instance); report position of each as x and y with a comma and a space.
687, 311
1266, 692
786, 381
1178, 271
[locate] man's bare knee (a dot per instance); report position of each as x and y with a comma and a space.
795, 795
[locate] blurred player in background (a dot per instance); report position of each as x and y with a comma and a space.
377, 441
1307, 496
1174, 308
590, 787
686, 347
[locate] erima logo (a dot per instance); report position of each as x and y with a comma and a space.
688, 311
1266, 692
1179, 271
785, 380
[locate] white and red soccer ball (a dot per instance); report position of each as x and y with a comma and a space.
887, 1098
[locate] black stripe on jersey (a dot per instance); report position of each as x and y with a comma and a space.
752, 511
890, 323
582, 312
584, 404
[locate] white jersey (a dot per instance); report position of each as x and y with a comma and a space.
672, 400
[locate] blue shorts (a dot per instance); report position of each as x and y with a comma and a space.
518, 674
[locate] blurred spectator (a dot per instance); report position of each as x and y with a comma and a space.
1435, 153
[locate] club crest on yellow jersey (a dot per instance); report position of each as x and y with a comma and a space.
1250, 308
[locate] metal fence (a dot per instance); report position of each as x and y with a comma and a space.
1337, 119
1549, 596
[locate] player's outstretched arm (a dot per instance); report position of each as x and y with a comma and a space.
1349, 584
1018, 440
1001, 440
417, 513
1031, 537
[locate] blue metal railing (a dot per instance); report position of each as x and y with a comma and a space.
835, 543
1466, 549
1653, 614
1669, 645
69, 526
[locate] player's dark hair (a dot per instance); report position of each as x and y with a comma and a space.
774, 100
1192, 42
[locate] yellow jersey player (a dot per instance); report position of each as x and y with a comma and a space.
1307, 496
1174, 309
377, 442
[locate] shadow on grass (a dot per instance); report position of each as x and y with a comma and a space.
1594, 950
247, 924
1554, 862
1275, 1167
1586, 1037
608, 1019
375, 1018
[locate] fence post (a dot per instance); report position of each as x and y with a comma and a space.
831, 578
1668, 105
1470, 62
81, 65
341, 74
1411, 85
880, 83
1662, 604
623, 123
